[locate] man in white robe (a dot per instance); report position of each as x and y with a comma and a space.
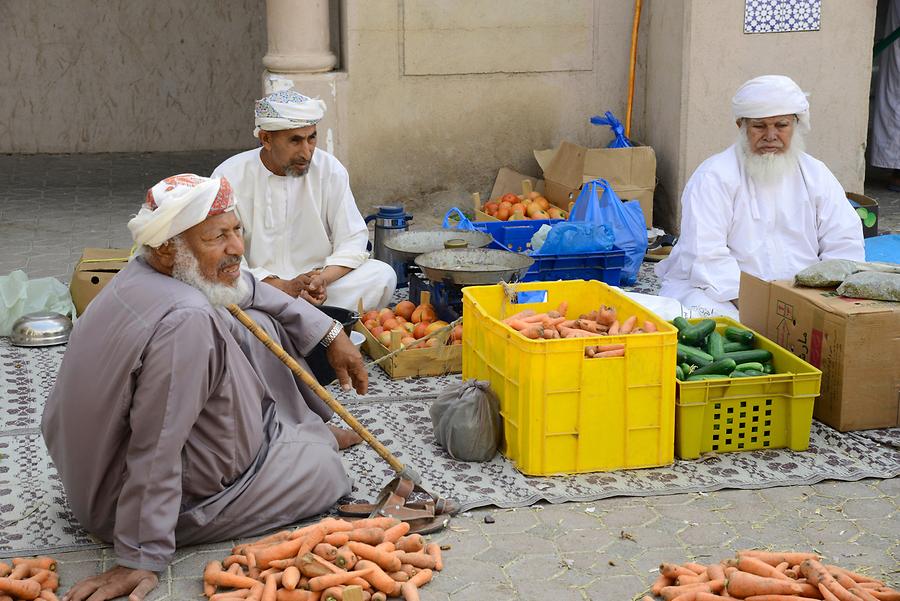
885, 149
169, 422
303, 230
762, 206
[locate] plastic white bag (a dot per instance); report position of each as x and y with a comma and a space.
20, 296
540, 236
467, 422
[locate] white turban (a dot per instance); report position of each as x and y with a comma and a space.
178, 203
770, 96
287, 110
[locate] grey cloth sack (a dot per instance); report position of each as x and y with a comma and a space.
467, 422
872, 284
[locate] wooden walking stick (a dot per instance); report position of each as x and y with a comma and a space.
392, 499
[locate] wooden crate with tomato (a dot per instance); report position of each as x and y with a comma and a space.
391, 329
517, 207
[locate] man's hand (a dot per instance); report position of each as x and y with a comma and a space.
308, 286
117, 582
344, 357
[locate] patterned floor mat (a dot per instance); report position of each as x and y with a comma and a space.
34, 516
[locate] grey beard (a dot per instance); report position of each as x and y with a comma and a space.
770, 168
187, 269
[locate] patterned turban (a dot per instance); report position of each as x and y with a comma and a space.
287, 110
177, 204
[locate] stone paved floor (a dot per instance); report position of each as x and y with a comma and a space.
53, 206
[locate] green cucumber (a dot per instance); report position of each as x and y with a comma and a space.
767, 368
730, 347
757, 355
695, 334
715, 345
692, 355
693, 378
739, 335
738, 374
722, 366
680, 323
753, 372
679, 373
754, 365
686, 369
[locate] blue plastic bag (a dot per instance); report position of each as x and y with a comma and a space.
568, 237
464, 223
598, 203
619, 141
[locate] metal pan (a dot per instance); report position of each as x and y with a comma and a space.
473, 266
409, 245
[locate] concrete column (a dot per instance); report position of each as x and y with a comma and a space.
299, 37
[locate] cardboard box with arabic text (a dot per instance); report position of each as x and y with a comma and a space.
630, 171
855, 342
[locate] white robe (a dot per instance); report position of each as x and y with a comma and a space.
729, 224
885, 150
293, 225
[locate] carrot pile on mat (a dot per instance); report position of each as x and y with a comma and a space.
767, 576
604, 321
333, 560
29, 578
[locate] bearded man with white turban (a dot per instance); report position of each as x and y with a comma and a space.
304, 232
762, 206
169, 423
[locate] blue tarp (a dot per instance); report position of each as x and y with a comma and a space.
885, 249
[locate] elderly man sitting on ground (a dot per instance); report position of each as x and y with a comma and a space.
762, 206
304, 232
169, 422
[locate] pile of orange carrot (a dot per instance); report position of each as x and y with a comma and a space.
767, 576
333, 560
29, 578
604, 321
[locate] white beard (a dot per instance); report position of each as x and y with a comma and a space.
187, 269
770, 167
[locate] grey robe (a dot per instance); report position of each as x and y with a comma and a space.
170, 422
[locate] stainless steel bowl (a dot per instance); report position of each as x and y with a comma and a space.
44, 328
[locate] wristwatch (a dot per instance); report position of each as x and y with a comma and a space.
336, 329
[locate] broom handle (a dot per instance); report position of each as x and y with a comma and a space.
316, 387
631, 64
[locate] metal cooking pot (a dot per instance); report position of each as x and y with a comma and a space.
409, 245
473, 266
43, 328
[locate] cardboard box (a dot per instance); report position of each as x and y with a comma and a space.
630, 171
855, 342
96, 267
868, 213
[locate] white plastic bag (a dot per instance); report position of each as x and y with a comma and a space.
467, 422
20, 296
540, 236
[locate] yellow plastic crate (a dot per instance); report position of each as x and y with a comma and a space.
744, 414
564, 413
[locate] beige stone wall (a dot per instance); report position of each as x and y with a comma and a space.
432, 96
441, 94
128, 75
715, 57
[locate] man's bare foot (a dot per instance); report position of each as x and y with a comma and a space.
345, 438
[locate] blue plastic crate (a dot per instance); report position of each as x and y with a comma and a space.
513, 235
603, 266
